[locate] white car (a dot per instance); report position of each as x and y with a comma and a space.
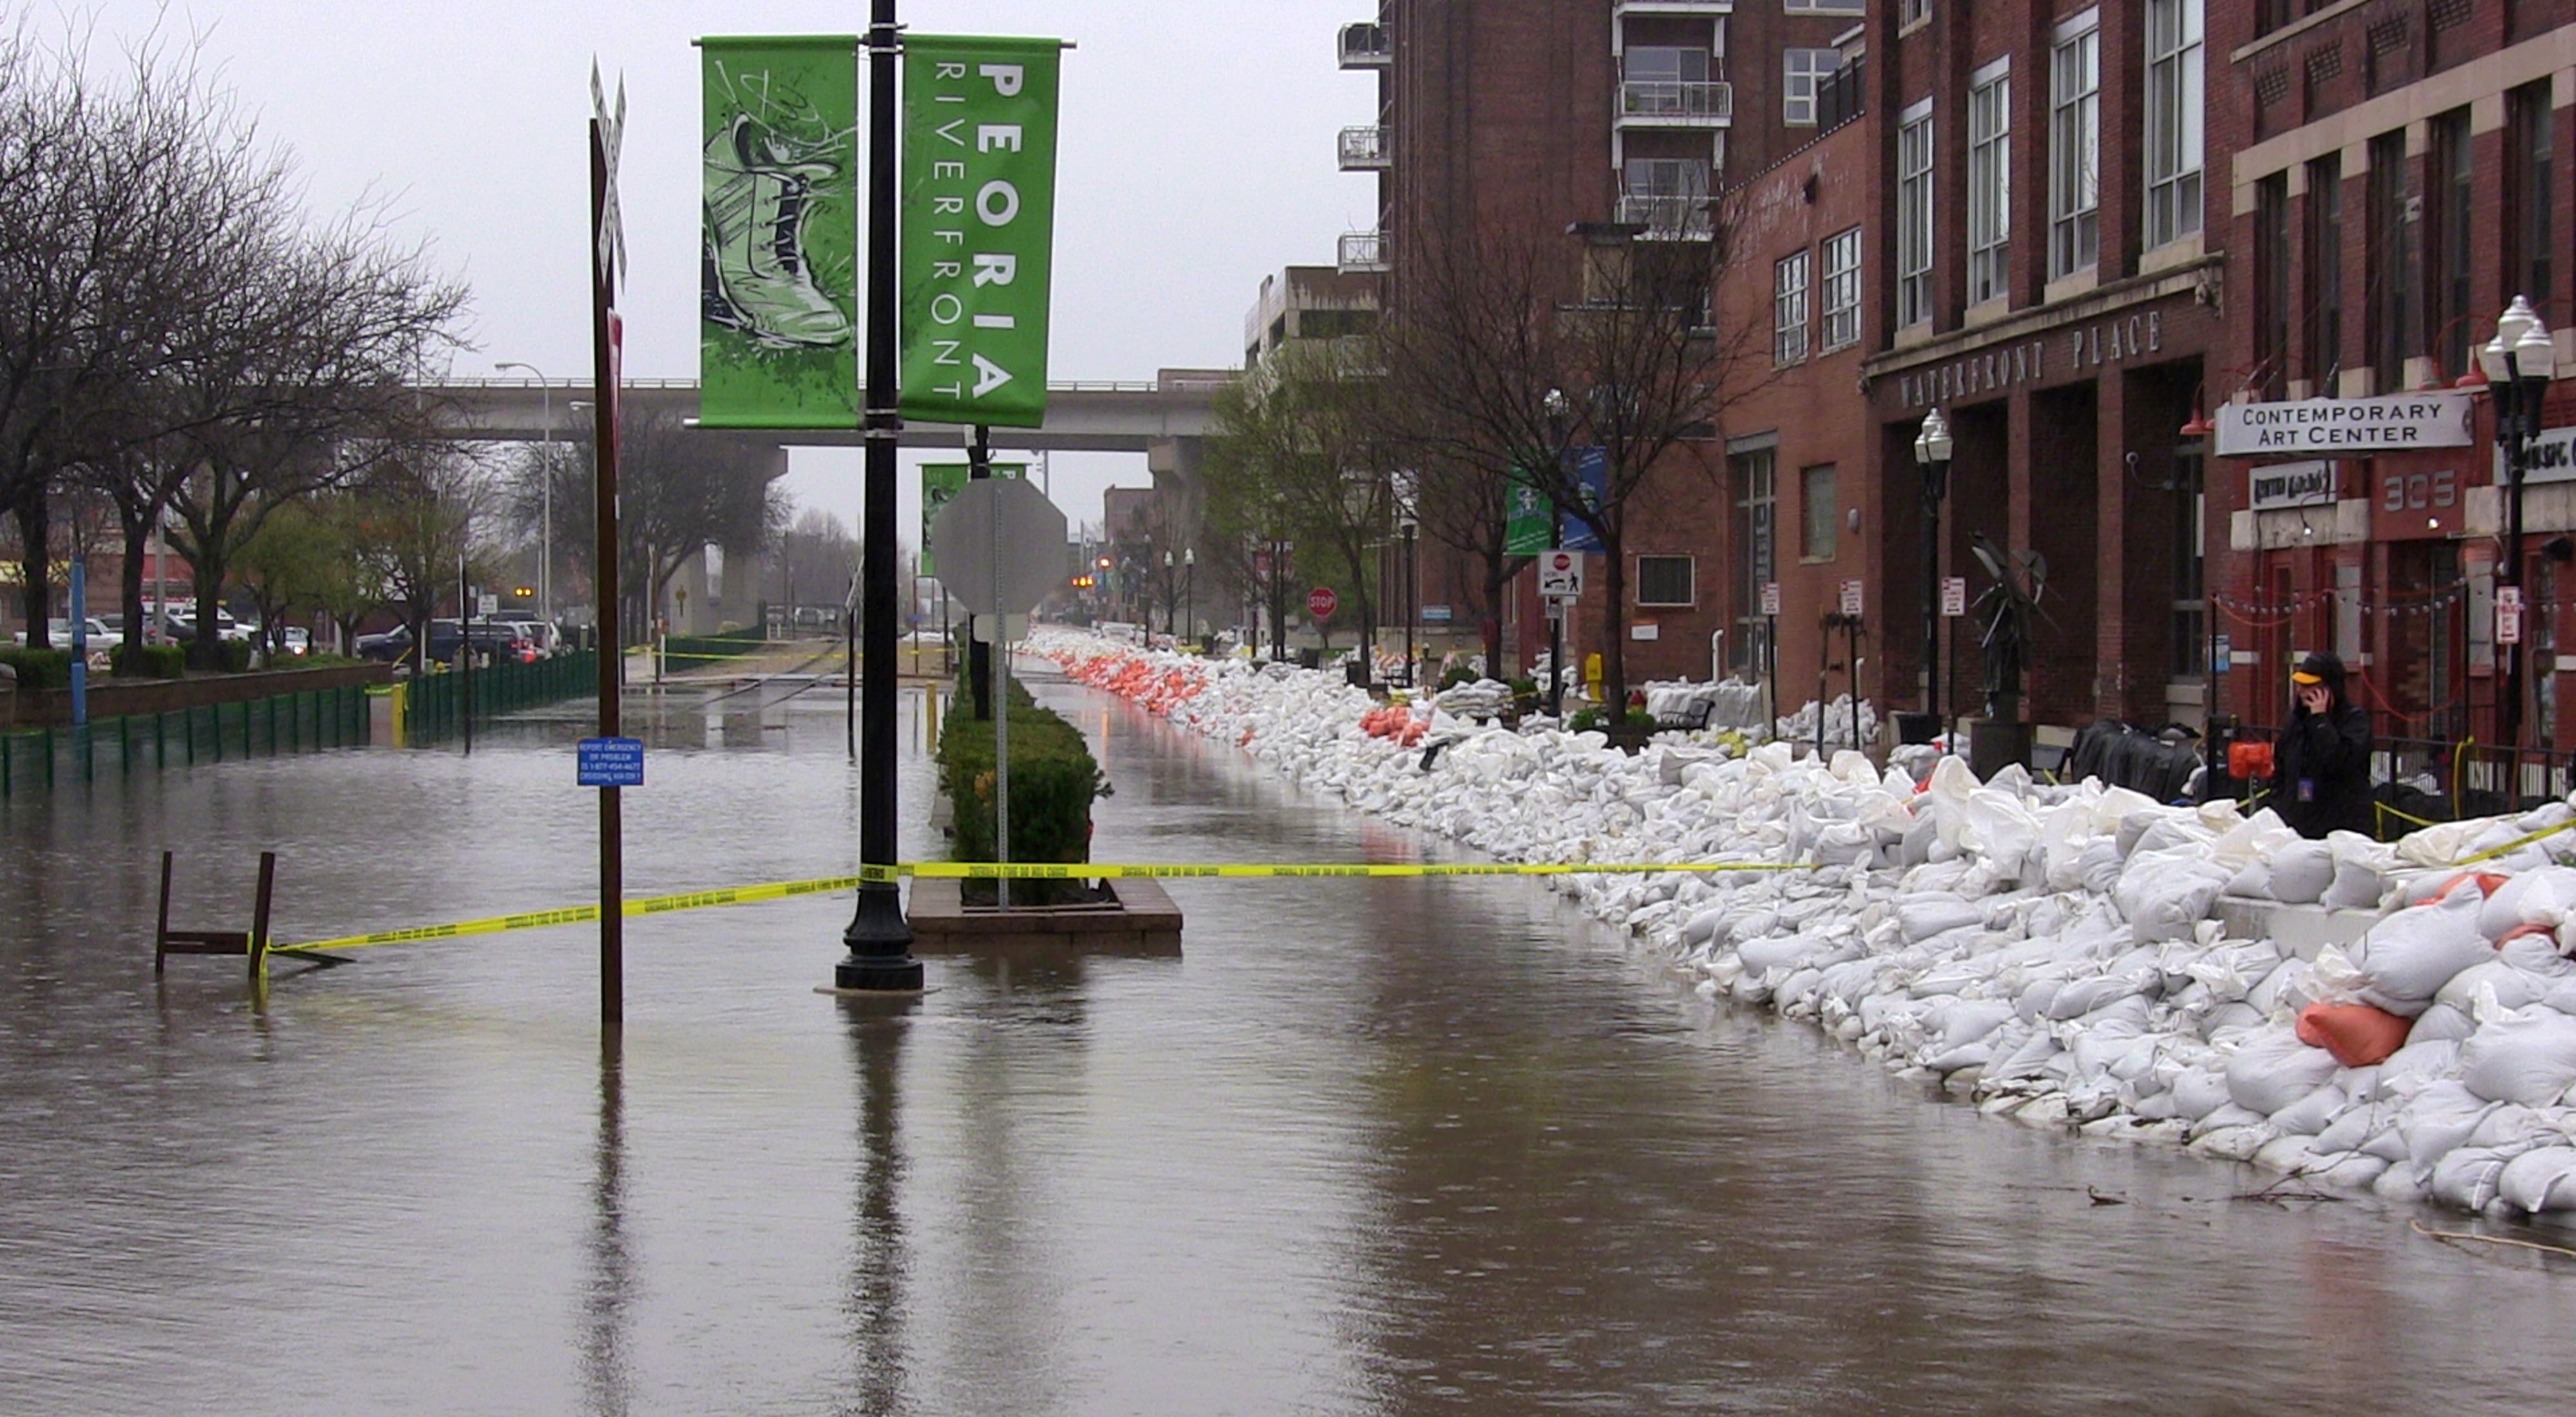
59, 633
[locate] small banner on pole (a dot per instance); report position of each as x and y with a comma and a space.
941, 482
979, 138
778, 257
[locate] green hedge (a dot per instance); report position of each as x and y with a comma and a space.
39, 668
150, 661
1054, 780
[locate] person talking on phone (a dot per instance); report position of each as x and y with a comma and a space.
2321, 766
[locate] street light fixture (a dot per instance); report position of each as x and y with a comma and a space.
1932, 454
2519, 363
546, 531
1190, 589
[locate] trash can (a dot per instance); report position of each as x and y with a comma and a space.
1356, 674
1916, 727
1310, 659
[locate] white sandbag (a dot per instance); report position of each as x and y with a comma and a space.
2439, 1120
2162, 895
1932, 913
2540, 1180
2541, 897
1970, 1020
2358, 865
2097, 868
2310, 1114
2442, 1023
2252, 882
2301, 871
2413, 953
2521, 1055
2420, 1062
1703, 927
2466, 1178
2352, 1171
2273, 1069
2197, 1092
2510, 987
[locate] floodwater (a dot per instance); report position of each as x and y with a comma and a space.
1367, 1146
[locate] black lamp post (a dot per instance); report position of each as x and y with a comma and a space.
1412, 601
1190, 589
1932, 454
1169, 598
2519, 363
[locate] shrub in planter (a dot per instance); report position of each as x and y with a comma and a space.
1457, 674
233, 656
1054, 780
39, 668
150, 661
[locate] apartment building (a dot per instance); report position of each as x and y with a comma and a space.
2399, 174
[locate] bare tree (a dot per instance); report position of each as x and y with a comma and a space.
413, 523
1505, 355
679, 491
1297, 452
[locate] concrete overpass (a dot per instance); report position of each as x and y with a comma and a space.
1139, 417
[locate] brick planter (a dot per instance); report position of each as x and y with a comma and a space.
52, 708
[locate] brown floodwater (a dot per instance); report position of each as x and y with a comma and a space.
1366, 1146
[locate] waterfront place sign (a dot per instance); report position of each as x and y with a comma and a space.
2396, 424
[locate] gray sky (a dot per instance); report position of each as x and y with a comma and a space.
1197, 155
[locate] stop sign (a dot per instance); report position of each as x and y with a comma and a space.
1321, 602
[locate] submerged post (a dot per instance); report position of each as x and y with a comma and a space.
878, 937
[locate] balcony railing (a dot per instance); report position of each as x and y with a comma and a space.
1364, 148
1666, 217
1676, 102
1362, 252
1365, 46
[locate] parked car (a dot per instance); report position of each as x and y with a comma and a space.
59, 633
497, 640
299, 641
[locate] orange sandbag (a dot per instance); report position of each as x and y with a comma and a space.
2487, 882
2357, 1034
2518, 931
2250, 761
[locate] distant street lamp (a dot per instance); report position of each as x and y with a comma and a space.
1558, 412
1190, 589
546, 532
1169, 599
1932, 453
2519, 363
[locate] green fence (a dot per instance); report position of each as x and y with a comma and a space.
435, 704
281, 723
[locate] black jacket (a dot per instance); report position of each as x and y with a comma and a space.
2321, 771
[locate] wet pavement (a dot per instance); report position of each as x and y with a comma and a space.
1367, 1146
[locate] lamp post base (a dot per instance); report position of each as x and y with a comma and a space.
880, 942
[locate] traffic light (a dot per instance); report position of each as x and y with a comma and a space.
1103, 563
525, 592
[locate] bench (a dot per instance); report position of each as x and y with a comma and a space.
251, 943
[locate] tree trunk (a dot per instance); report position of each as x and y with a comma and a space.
35, 533
1614, 649
129, 588
205, 648
1498, 577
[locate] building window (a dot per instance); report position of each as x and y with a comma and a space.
2175, 108
2271, 283
2452, 194
1913, 11
2324, 272
2396, 261
1664, 580
2190, 543
1842, 289
1666, 81
1756, 543
1666, 194
1801, 70
1789, 309
2532, 145
1989, 182
1822, 518
1914, 215
1822, 7
2075, 146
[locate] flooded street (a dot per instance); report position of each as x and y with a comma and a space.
1367, 1146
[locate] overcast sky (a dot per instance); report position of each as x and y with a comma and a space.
1197, 155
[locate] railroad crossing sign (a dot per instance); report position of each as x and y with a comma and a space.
1560, 574
1321, 602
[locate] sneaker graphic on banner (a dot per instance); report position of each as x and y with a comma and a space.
755, 277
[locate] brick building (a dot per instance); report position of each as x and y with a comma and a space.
2400, 172
1545, 118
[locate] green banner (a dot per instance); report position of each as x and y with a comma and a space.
1526, 525
941, 481
778, 258
979, 137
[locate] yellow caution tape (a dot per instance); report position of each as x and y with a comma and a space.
996, 870
2516, 844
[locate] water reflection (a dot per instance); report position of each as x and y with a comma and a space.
606, 1375
880, 1260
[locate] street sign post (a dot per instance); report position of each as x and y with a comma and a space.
1954, 596
1003, 542
2508, 612
1560, 574
1851, 597
1770, 597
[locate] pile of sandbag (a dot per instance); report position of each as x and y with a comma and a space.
1480, 698
2053, 952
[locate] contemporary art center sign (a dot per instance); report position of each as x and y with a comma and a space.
2399, 423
